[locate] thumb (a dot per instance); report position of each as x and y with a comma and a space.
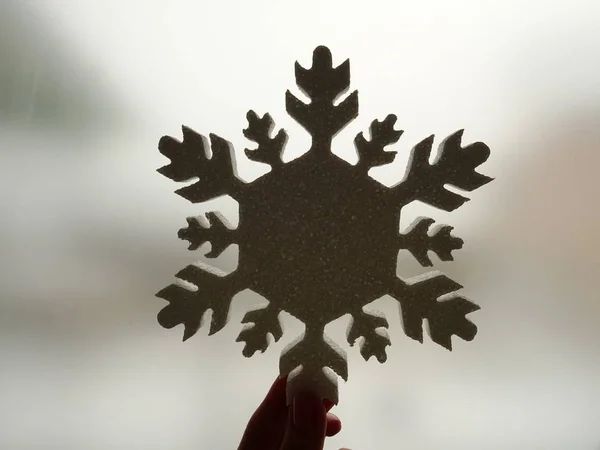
307, 424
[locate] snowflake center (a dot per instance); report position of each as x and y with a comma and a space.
330, 245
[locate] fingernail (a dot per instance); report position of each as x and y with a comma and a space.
308, 411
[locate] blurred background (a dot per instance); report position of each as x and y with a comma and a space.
88, 229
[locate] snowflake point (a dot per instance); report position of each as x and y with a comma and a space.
188, 333
322, 56
251, 115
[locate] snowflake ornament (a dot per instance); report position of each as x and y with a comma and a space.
317, 236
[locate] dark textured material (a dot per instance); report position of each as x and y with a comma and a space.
318, 237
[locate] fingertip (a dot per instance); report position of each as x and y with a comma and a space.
277, 391
334, 425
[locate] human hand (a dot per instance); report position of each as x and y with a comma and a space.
301, 426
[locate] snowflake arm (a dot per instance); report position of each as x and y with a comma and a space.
372, 328
269, 149
455, 166
323, 84
187, 306
305, 361
371, 153
446, 317
189, 160
218, 233
262, 322
418, 242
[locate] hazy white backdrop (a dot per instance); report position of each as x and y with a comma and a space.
88, 229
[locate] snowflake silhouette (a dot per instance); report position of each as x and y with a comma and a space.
317, 236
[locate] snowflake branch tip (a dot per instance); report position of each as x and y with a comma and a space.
441, 331
218, 233
372, 328
189, 160
446, 317
263, 322
455, 166
323, 84
468, 158
187, 307
371, 153
418, 242
269, 149
193, 144
323, 81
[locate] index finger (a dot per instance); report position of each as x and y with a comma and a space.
266, 427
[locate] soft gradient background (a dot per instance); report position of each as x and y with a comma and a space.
88, 229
